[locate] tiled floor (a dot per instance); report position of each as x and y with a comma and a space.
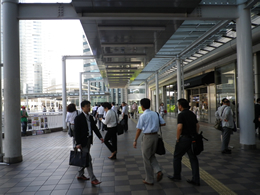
45, 168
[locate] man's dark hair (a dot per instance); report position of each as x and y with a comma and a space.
226, 101
113, 103
107, 105
223, 100
145, 103
184, 103
84, 102
258, 100
71, 108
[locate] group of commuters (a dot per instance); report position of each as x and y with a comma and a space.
83, 125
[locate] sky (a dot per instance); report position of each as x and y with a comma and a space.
65, 39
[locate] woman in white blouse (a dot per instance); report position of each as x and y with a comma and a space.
72, 112
111, 121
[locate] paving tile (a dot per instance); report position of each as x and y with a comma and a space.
46, 170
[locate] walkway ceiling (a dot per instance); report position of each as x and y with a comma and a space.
127, 45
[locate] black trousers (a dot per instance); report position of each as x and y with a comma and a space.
24, 127
111, 135
126, 122
183, 146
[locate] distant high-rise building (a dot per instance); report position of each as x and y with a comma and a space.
34, 71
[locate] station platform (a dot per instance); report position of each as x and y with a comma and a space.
45, 168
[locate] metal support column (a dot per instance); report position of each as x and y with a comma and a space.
157, 92
122, 95
88, 90
117, 95
64, 93
179, 91
245, 77
12, 143
147, 89
80, 89
1, 132
257, 74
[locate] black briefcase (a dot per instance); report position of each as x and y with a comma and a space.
120, 129
79, 158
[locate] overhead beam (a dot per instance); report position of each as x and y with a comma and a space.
133, 55
123, 63
120, 72
78, 57
127, 44
51, 11
135, 68
148, 28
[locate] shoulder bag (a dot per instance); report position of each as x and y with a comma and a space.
160, 145
119, 127
218, 123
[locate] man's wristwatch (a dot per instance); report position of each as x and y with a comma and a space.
135, 140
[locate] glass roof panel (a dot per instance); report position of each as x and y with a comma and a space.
203, 52
209, 48
224, 39
216, 44
197, 55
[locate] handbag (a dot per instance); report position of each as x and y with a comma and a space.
160, 149
120, 126
218, 122
79, 159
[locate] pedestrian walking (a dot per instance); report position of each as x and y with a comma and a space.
72, 112
187, 127
110, 121
84, 127
149, 123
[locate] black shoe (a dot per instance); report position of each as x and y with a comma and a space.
174, 178
226, 152
193, 182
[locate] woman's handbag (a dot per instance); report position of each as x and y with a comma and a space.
160, 144
79, 159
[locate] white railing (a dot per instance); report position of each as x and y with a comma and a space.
42, 121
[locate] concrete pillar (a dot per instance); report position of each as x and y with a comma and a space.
157, 92
89, 90
179, 77
126, 95
64, 94
257, 74
80, 89
12, 144
117, 95
245, 77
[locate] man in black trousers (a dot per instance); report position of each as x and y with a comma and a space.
84, 126
187, 127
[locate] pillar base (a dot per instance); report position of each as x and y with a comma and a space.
248, 147
13, 159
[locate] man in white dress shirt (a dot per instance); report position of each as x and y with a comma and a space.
114, 107
149, 123
100, 114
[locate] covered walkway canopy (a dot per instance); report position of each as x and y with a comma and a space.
143, 41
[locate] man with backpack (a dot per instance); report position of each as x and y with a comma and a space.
187, 128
